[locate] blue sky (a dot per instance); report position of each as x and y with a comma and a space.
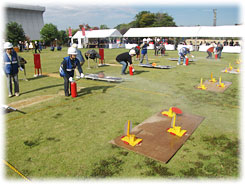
71, 13
114, 15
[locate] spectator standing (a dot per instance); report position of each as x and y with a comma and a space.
11, 68
231, 42
143, 47
37, 47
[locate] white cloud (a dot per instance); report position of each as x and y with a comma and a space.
73, 15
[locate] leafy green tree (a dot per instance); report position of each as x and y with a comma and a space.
163, 20
63, 37
49, 33
14, 33
74, 31
138, 17
122, 28
147, 20
103, 26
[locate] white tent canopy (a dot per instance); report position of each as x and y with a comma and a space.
220, 31
197, 31
79, 34
102, 33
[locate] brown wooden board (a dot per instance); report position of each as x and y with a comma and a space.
233, 71
157, 143
211, 86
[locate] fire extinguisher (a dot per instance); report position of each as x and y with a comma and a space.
73, 89
131, 70
186, 61
216, 56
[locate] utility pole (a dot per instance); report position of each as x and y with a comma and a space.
214, 10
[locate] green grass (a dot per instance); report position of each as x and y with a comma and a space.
68, 137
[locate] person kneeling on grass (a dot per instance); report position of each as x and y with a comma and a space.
67, 69
183, 54
125, 58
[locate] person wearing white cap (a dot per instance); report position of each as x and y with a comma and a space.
124, 59
11, 68
80, 59
143, 47
67, 69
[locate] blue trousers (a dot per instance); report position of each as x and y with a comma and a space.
124, 67
181, 55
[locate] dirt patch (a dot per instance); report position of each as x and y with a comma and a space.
37, 99
211, 86
31, 101
56, 75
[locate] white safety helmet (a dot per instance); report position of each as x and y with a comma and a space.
74, 45
132, 52
8, 45
72, 51
144, 40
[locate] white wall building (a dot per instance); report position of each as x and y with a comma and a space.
30, 17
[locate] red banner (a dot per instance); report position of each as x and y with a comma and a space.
83, 31
70, 32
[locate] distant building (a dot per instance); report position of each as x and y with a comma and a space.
30, 17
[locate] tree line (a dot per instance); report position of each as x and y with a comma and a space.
49, 33
147, 19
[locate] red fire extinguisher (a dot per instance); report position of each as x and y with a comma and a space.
131, 70
73, 89
186, 61
216, 56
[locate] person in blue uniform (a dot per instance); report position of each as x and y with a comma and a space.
11, 68
67, 68
143, 47
124, 59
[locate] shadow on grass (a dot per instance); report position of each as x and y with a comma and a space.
90, 90
46, 87
137, 72
35, 78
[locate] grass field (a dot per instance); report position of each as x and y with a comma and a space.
65, 137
